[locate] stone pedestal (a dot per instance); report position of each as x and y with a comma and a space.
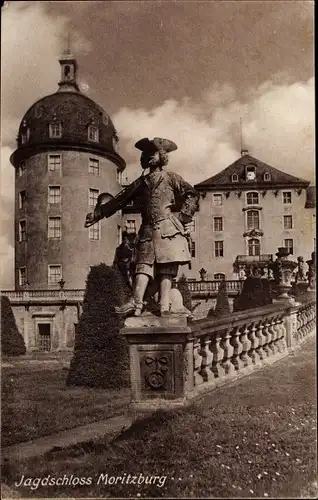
161, 359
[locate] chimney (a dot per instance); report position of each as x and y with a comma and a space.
244, 152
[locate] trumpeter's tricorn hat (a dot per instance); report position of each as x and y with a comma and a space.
155, 144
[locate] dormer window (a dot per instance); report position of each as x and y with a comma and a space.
25, 136
250, 172
267, 176
93, 133
235, 178
55, 130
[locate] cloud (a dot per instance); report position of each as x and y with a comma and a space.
278, 125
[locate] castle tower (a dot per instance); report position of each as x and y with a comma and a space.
66, 155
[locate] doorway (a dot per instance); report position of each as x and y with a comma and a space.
44, 336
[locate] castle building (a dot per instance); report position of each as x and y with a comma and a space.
66, 155
247, 211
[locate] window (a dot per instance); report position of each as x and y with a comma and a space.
193, 249
25, 136
119, 176
218, 223
21, 168
93, 195
94, 232
191, 226
22, 230
54, 228
252, 217
254, 247
55, 130
22, 276
54, 195
218, 249
267, 176
287, 197
22, 199
131, 226
54, 162
252, 198
219, 276
289, 244
217, 199
93, 166
93, 133
288, 222
55, 274
235, 178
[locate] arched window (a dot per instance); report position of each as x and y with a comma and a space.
252, 218
252, 198
235, 178
219, 276
254, 247
267, 176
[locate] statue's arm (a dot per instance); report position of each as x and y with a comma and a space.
108, 208
189, 196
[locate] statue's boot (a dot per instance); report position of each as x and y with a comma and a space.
127, 308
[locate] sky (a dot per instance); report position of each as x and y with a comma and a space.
187, 71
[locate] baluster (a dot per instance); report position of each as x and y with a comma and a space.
282, 334
246, 345
253, 354
277, 330
207, 358
267, 338
272, 333
228, 353
261, 341
298, 327
218, 355
197, 362
238, 348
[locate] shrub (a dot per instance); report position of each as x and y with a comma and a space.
222, 306
183, 287
256, 292
12, 343
101, 356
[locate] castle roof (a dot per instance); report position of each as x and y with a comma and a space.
75, 113
234, 177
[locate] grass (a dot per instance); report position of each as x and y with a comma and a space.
36, 401
256, 438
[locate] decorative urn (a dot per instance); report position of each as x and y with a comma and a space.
312, 272
283, 272
203, 274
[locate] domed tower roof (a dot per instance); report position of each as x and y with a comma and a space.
67, 119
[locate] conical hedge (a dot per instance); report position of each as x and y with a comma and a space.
101, 356
12, 343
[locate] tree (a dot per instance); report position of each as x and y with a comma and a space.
12, 343
101, 357
183, 288
222, 307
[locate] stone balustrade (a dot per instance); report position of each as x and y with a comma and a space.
34, 296
172, 363
306, 320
